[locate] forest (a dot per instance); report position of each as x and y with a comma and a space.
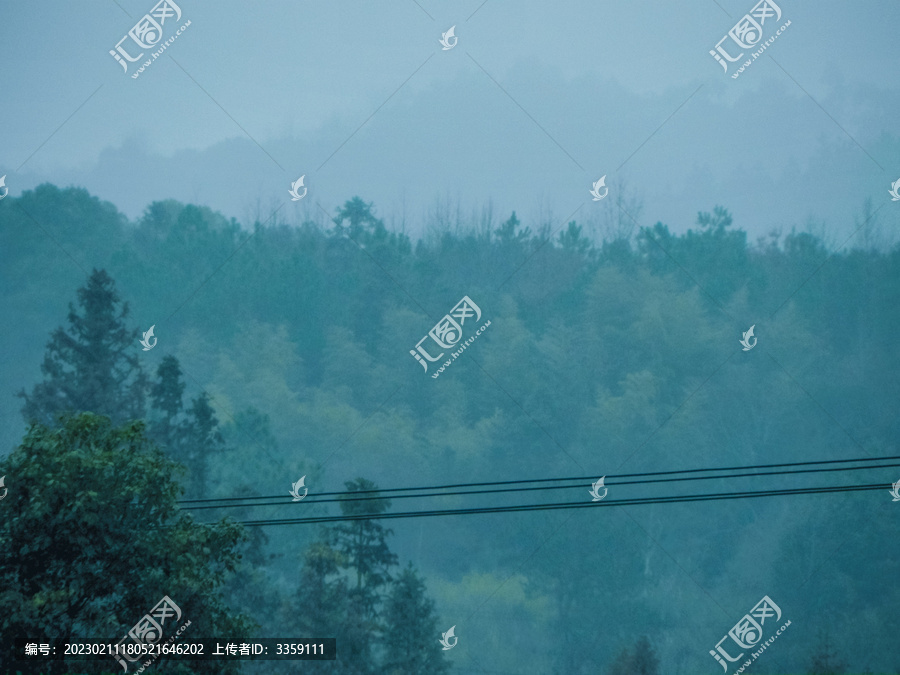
284, 348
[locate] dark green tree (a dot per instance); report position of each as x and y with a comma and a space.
362, 221
93, 539
203, 442
363, 542
364, 552
411, 643
572, 240
91, 367
825, 660
166, 400
508, 231
639, 660
322, 595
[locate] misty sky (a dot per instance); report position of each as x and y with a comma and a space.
534, 103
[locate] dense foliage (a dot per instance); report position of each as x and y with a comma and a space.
606, 354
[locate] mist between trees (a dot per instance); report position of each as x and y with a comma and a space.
283, 351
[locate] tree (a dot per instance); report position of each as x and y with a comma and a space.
825, 660
507, 233
93, 539
362, 542
362, 220
571, 239
322, 598
411, 645
363, 551
166, 397
641, 660
90, 368
202, 440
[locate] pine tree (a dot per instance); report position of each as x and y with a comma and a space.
362, 221
202, 441
363, 542
322, 600
411, 644
364, 551
825, 660
91, 367
640, 660
166, 398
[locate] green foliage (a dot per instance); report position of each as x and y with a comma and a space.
377, 632
362, 542
824, 659
91, 366
203, 441
639, 660
410, 629
599, 353
100, 539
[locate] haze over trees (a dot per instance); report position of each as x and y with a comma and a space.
284, 351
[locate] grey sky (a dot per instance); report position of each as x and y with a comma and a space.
534, 103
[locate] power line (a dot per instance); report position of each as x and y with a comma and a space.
235, 502
673, 499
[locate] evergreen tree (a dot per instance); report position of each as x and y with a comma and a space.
825, 660
203, 442
411, 644
322, 597
362, 542
364, 552
362, 221
91, 367
166, 398
640, 660
507, 234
